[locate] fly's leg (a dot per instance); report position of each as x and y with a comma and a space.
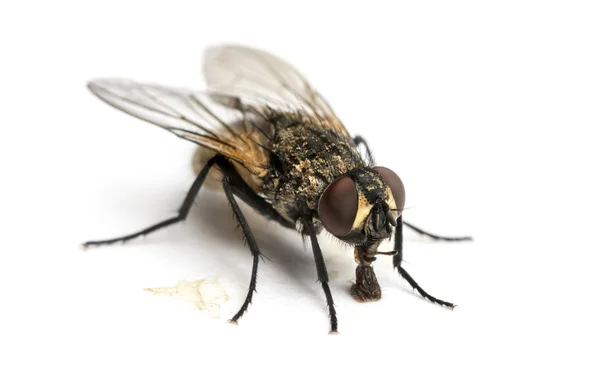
251, 244
397, 264
358, 140
181, 214
241, 189
321, 271
234, 185
438, 237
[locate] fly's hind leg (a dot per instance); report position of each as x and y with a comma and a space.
181, 214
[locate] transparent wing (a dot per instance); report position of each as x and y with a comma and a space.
192, 116
251, 73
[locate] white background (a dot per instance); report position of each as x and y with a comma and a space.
488, 111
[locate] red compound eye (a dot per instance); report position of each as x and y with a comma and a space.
338, 206
395, 184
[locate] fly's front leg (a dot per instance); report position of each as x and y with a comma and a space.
398, 241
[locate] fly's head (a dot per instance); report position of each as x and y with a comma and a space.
362, 206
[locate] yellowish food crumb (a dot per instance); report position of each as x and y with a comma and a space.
205, 294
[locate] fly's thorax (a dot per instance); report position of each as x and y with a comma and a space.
306, 158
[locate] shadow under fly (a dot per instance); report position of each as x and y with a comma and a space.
268, 138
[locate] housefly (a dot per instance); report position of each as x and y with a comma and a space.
273, 142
